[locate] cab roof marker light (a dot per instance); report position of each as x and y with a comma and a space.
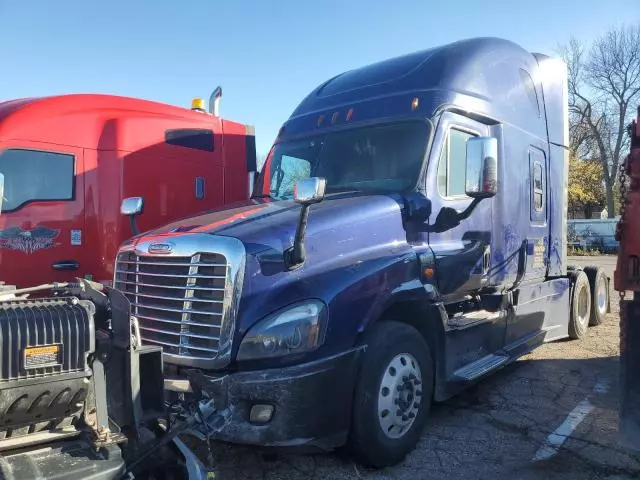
415, 103
349, 114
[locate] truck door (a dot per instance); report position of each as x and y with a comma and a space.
463, 254
42, 221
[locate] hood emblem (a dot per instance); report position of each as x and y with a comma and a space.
161, 248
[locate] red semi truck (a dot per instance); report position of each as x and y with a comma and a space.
68, 162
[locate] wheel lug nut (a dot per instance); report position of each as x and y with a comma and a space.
412, 415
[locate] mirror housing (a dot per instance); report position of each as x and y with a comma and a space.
310, 190
481, 176
131, 207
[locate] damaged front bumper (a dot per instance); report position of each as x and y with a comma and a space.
310, 403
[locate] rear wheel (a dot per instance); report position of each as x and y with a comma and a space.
393, 395
580, 311
599, 294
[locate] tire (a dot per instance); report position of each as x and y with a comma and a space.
599, 294
580, 309
396, 361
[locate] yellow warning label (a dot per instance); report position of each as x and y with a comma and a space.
41, 356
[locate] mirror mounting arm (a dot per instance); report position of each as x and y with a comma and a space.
469, 210
296, 255
449, 218
134, 225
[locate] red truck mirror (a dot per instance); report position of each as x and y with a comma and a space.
131, 207
482, 167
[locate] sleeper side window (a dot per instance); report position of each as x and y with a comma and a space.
538, 187
33, 175
538, 191
453, 163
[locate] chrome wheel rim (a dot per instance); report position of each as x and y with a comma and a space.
583, 306
602, 295
399, 395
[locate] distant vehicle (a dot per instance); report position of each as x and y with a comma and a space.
69, 160
407, 237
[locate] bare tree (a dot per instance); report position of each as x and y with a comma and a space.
604, 87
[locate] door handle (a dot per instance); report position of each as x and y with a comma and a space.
66, 265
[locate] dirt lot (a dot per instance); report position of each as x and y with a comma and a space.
514, 425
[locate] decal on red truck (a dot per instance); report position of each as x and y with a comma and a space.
28, 241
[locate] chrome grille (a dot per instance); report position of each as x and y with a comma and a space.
178, 300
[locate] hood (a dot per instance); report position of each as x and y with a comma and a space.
265, 224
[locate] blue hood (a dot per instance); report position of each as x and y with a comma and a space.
271, 225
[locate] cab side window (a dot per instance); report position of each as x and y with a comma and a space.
32, 175
452, 164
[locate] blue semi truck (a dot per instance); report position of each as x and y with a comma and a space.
406, 237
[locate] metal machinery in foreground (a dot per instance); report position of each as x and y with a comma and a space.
81, 398
627, 278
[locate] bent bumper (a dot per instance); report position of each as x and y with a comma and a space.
311, 403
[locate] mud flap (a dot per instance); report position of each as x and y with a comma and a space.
629, 368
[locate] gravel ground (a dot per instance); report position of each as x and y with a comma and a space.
496, 429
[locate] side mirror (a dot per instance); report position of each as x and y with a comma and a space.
481, 180
131, 207
310, 190
306, 192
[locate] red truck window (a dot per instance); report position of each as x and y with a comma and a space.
196, 138
33, 175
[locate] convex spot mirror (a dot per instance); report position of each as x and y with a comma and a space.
481, 176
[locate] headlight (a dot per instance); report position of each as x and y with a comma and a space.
296, 329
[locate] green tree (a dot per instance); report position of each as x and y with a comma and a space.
586, 186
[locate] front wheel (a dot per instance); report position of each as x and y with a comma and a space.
393, 395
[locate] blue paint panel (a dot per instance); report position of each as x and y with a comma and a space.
558, 183
541, 306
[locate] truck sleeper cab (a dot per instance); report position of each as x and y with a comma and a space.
69, 160
406, 237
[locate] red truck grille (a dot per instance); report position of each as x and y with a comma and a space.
179, 301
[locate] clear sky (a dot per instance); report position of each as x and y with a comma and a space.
266, 54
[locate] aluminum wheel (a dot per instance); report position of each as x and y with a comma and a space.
400, 395
583, 307
602, 294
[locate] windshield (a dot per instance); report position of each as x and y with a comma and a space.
384, 158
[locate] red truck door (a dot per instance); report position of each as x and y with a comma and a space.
42, 221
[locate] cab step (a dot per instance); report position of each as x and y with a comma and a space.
480, 367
